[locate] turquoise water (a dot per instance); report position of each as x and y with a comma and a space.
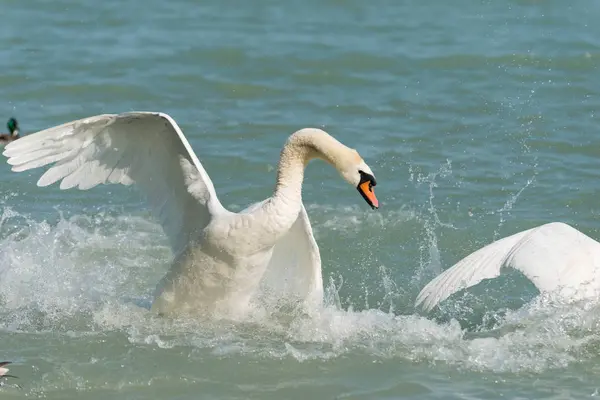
478, 119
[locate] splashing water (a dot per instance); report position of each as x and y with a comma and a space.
93, 277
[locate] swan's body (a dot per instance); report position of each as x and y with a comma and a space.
220, 257
13, 132
556, 257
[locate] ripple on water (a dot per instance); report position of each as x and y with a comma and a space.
89, 279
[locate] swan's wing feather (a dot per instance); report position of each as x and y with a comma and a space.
294, 271
484, 263
552, 256
143, 148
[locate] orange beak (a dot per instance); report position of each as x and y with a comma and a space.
366, 190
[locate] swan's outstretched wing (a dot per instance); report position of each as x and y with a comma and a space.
294, 271
142, 148
553, 256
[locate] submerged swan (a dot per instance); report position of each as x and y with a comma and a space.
220, 256
556, 257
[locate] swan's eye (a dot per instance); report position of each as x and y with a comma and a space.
364, 177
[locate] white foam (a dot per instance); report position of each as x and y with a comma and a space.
86, 275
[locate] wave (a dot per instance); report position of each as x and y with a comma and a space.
88, 276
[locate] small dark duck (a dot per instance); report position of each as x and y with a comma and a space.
4, 370
13, 132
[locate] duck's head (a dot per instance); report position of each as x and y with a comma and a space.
13, 126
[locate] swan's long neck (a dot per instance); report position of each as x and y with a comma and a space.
290, 174
301, 147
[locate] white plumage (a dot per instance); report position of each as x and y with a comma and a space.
220, 256
555, 257
143, 148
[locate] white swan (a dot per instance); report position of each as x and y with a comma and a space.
556, 257
219, 256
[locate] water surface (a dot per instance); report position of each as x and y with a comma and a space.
478, 119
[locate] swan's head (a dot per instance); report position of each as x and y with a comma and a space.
346, 160
357, 173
